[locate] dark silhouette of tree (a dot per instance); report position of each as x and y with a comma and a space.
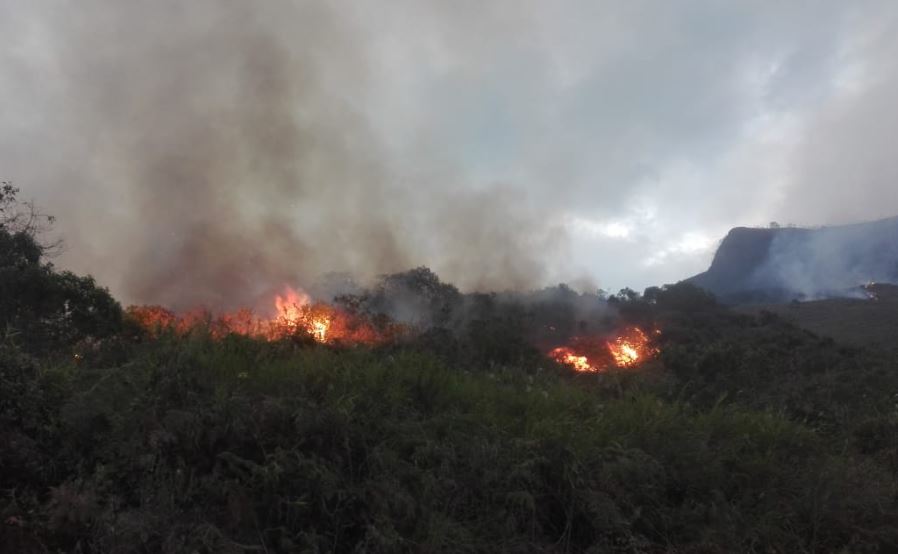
40, 307
23, 217
684, 297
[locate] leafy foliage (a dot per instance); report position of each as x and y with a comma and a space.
45, 309
236, 445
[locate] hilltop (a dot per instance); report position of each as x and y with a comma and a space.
758, 265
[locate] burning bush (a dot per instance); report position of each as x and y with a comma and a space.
629, 348
295, 315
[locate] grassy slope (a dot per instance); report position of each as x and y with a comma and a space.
858, 322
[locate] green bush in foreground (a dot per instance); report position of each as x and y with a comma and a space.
237, 446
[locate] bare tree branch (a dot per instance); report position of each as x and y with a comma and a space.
25, 217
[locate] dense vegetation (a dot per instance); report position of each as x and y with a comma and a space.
746, 435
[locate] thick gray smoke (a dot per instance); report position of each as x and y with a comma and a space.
207, 151
210, 152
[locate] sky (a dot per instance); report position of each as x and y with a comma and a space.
212, 151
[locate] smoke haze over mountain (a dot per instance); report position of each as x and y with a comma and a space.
208, 152
790, 263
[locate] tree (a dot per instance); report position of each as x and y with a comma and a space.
21, 217
683, 297
45, 308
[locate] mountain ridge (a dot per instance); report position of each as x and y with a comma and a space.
776, 264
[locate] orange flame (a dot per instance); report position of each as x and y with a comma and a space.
566, 356
289, 306
294, 314
629, 349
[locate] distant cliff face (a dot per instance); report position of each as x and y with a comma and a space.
764, 265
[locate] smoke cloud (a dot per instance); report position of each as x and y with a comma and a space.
833, 261
208, 152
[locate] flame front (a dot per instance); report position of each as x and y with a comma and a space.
628, 349
295, 314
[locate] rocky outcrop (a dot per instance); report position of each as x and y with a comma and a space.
781, 264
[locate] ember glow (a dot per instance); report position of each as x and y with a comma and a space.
628, 349
294, 315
